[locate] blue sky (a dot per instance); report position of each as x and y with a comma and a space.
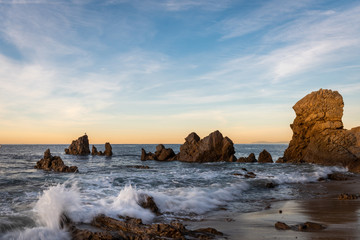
154, 71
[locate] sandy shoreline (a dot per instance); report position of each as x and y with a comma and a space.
341, 217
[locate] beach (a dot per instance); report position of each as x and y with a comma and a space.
320, 205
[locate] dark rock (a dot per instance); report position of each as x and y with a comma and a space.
250, 175
161, 154
265, 157
213, 148
54, 163
348, 196
318, 133
250, 159
147, 202
282, 226
139, 166
94, 151
310, 226
79, 146
270, 185
108, 151
337, 176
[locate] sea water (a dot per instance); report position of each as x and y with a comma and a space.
33, 201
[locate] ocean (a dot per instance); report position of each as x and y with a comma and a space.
32, 201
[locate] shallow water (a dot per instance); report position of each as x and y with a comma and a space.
32, 201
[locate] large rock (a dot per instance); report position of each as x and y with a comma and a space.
265, 157
54, 163
250, 159
318, 133
161, 154
213, 148
79, 146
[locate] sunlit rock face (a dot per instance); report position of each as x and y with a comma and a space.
319, 135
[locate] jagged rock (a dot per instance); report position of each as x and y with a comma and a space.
132, 228
318, 133
250, 159
348, 196
161, 154
250, 175
79, 146
213, 148
146, 201
108, 151
265, 157
55, 163
282, 226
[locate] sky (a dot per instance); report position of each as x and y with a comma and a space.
153, 71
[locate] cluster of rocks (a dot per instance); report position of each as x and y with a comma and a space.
104, 228
318, 133
307, 226
108, 151
81, 147
213, 148
54, 163
264, 157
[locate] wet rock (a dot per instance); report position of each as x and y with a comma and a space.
161, 154
79, 146
213, 148
282, 226
139, 166
147, 202
310, 226
250, 175
337, 176
250, 159
348, 196
108, 151
132, 228
54, 163
270, 185
318, 133
265, 157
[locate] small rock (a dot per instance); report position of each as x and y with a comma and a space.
347, 196
282, 226
265, 157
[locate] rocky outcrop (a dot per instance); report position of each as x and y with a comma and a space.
213, 148
79, 146
132, 228
161, 154
265, 157
318, 133
147, 202
108, 151
303, 227
54, 163
250, 159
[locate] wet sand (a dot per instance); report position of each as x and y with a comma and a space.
341, 217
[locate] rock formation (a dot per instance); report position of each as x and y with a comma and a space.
55, 163
161, 154
250, 159
213, 148
265, 157
318, 133
79, 146
108, 151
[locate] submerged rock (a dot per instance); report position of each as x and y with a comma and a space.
265, 157
79, 146
250, 159
318, 133
213, 148
147, 202
54, 163
307, 226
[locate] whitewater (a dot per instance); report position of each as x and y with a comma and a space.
32, 201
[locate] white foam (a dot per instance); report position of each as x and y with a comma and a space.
54, 202
39, 233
